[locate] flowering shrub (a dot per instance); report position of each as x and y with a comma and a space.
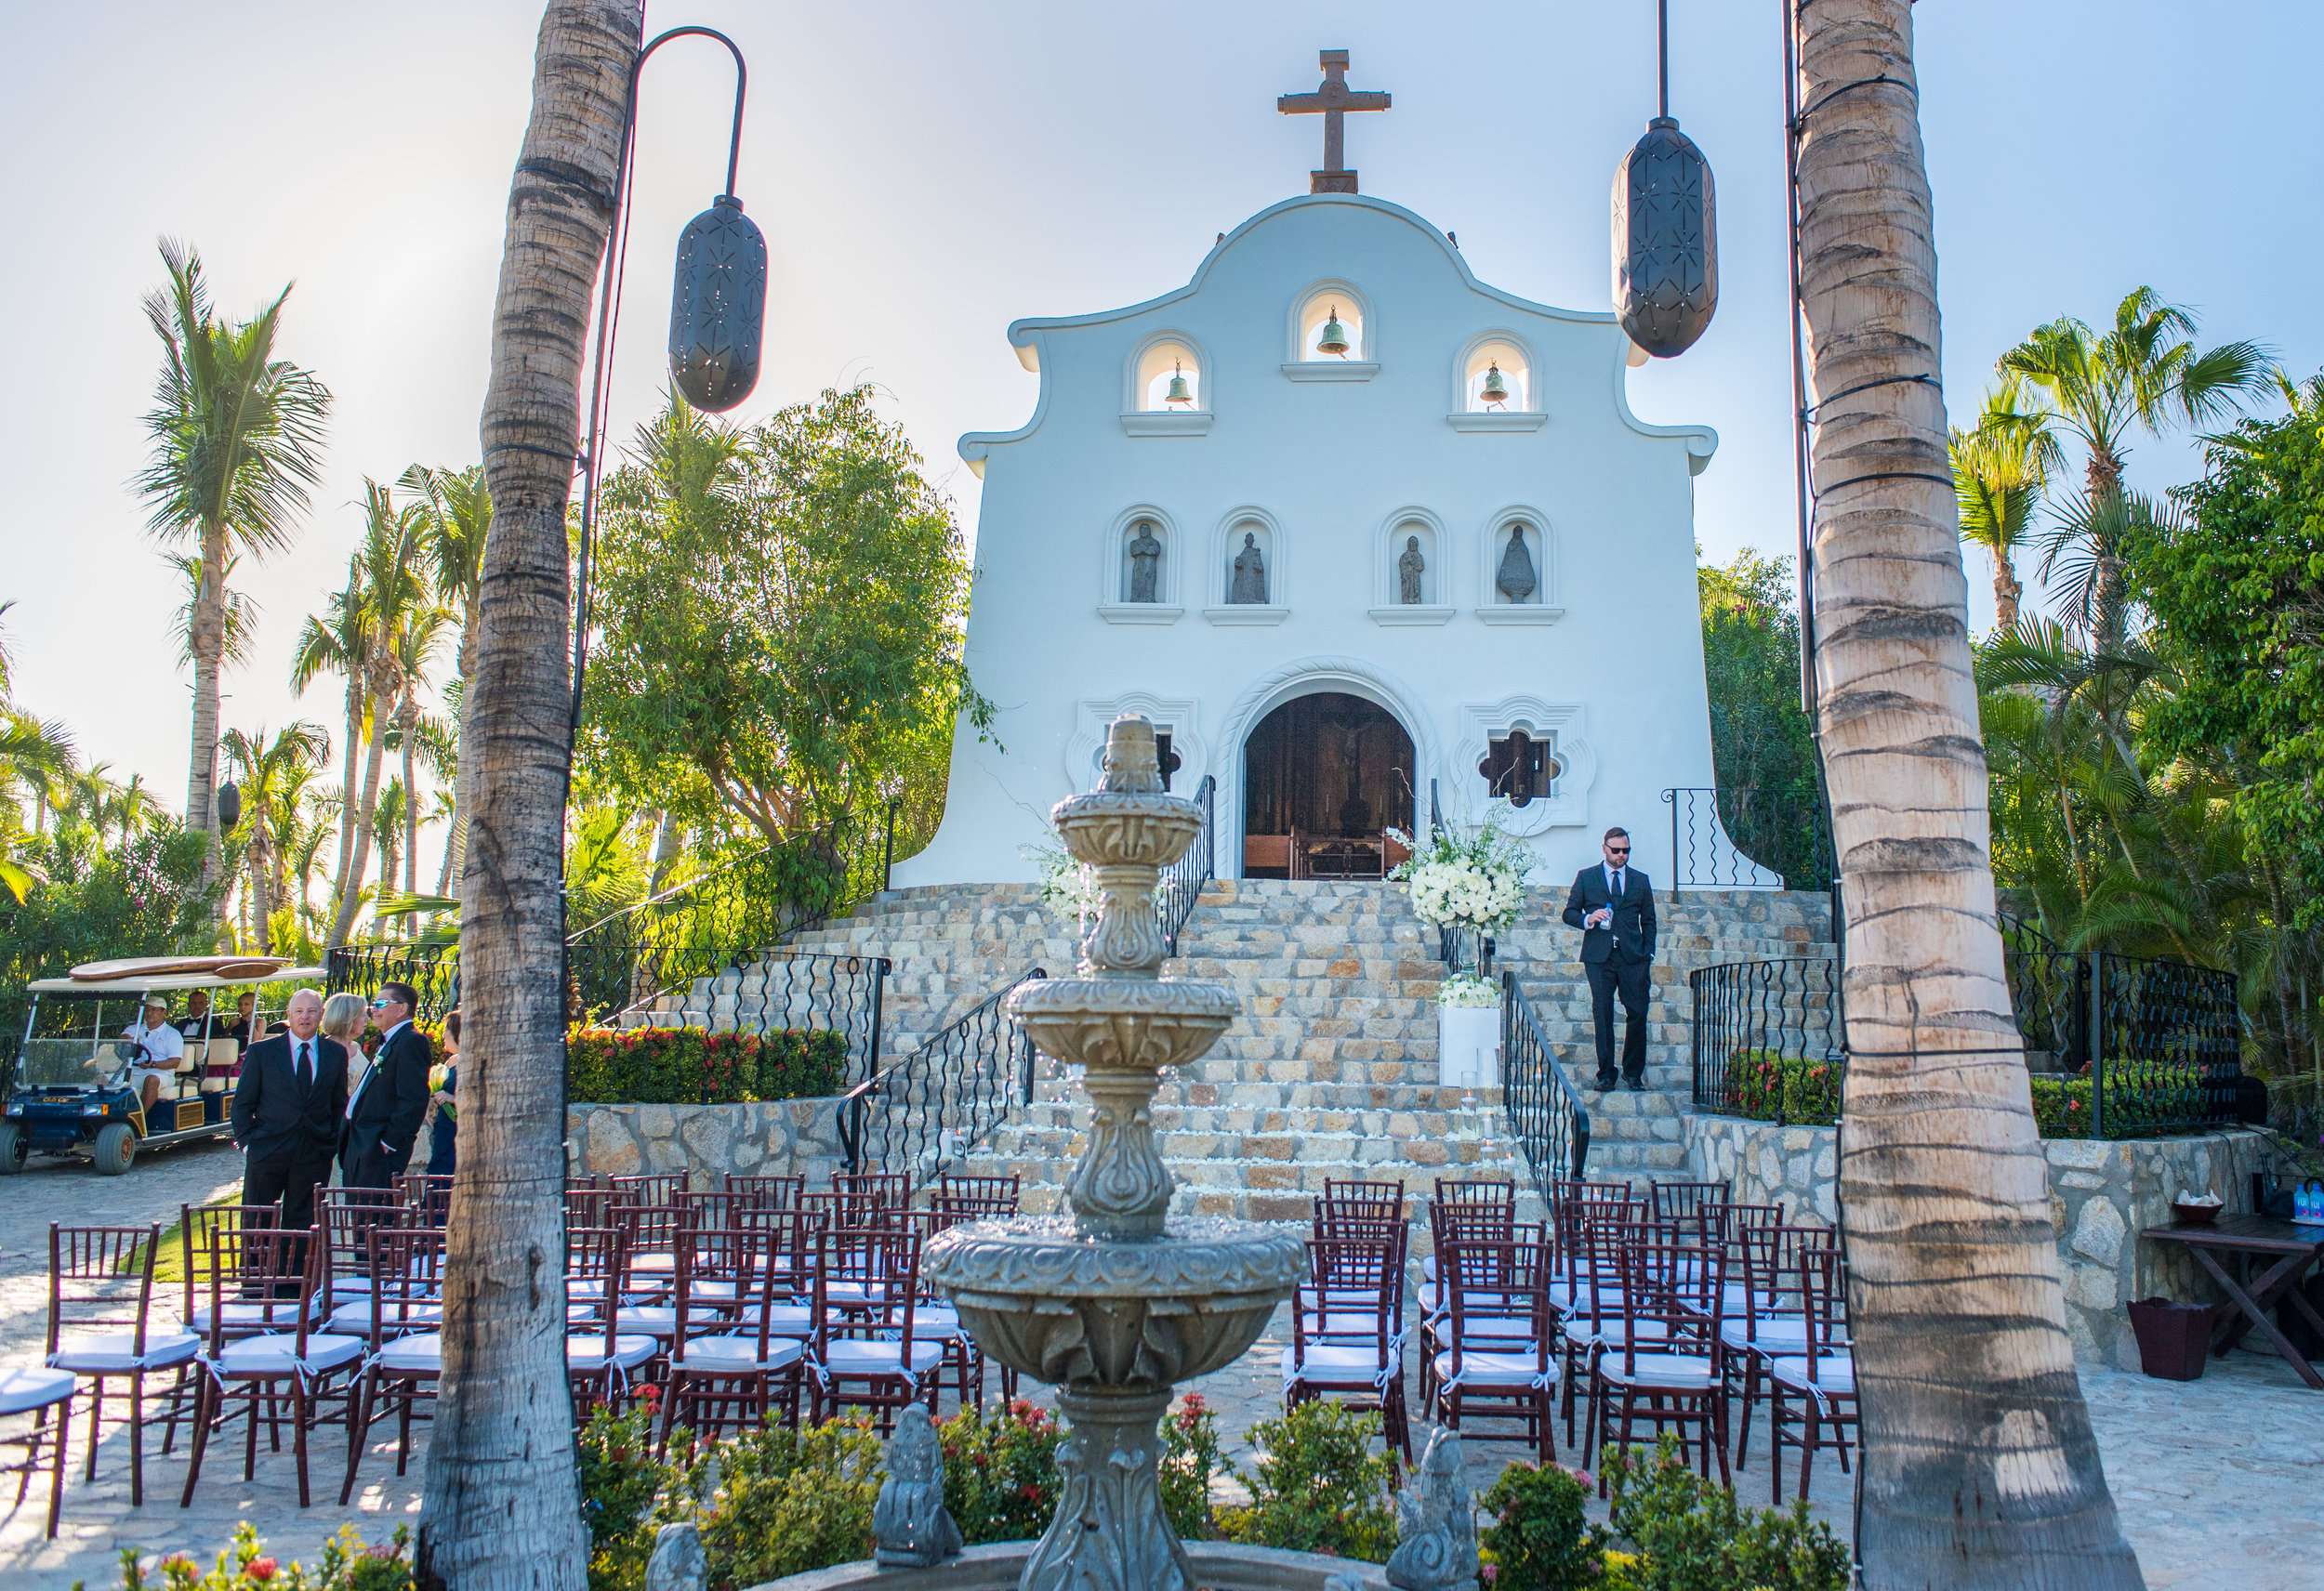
348, 1565
1765, 1085
627, 1493
691, 1066
1468, 992
1692, 1535
1190, 1457
1319, 1486
1478, 883
789, 1502
1000, 1475
1537, 1539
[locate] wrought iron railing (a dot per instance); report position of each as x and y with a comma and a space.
1183, 881
1766, 1040
1544, 1109
921, 1114
683, 986
1749, 839
433, 971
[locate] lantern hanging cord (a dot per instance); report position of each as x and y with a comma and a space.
734, 147
1662, 58
1800, 123
1926, 380
1944, 481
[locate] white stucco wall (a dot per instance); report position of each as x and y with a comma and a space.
1331, 466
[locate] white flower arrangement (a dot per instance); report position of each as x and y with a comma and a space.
1068, 888
1478, 883
1468, 992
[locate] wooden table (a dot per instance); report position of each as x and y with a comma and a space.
2293, 1249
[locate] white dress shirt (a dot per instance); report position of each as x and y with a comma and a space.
355, 1090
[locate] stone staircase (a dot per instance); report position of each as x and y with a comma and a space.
1330, 1071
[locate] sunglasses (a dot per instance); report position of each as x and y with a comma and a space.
383, 1004
1617, 850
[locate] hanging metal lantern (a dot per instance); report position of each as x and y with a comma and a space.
1495, 390
717, 307
1666, 253
229, 807
1178, 392
1335, 337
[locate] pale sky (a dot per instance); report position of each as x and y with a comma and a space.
927, 173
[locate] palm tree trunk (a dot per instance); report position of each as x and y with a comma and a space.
366, 815
208, 645
670, 840
346, 779
466, 771
262, 877
408, 717
1980, 1468
501, 1510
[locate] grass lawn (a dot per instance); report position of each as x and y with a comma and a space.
169, 1260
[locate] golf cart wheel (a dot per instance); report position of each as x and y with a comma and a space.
117, 1147
14, 1147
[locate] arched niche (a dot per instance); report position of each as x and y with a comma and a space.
1119, 600
1536, 604
1398, 532
1258, 529
1314, 307
1150, 368
1480, 361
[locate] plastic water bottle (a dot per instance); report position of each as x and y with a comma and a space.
2307, 1203
2300, 1202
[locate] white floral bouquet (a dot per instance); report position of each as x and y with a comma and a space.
1467, 990
1477, 883
1068, 888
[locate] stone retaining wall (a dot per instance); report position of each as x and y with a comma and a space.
789, 1137
2101, 1195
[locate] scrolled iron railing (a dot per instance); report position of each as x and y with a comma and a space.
1181, 883
1744, 838
433, 971
1544, 1109
1766, 1040
728, 990
919, 1116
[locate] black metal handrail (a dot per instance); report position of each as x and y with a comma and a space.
1181, 883
1745, 838
1544, 1108
433, 971
748, 991
1767, 1038
922, 1114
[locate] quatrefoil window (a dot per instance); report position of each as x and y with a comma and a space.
1518, 768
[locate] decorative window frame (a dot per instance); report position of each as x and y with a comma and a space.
1299, 367
1385, 609
1217, 580
1142, 422
1170, 605
1532, 418
1085, 744
1559, 724
1543, 609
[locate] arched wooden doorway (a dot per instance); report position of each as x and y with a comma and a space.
1324, 775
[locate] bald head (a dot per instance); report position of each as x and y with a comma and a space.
305, 1014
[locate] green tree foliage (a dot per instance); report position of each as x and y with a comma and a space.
1538, 1539
1322, 1483
1691, 1535
1761, 742
781, 612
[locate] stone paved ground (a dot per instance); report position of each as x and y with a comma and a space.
2218, 1480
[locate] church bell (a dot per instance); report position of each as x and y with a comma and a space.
1178, 393
1335, 337
1495, 390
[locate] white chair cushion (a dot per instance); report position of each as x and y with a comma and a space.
1835, 1373
114, 1353
1676, 1371
419, 1354
279, 1316
739, 1355
1613, 1333
784, 1319
585, 1354
935, 1323
351, 1284
850, 1356
653, 1263
1495, 1370
713, 1291
354, 1320
1778, 1335
651, 1321
275, 1354
26, 1389
1329, 1365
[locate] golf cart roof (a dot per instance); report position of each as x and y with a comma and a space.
133, 983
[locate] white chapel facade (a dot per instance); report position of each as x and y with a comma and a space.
1354, 529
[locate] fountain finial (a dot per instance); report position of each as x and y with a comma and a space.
1133, 763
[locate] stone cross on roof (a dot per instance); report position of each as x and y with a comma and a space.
1333, 97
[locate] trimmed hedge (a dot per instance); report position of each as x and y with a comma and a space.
691, 1066
1765, 1086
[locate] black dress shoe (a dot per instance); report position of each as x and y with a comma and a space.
1606, 1080
1637, 1085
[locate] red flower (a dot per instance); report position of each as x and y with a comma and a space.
1032, 1492
259, 1568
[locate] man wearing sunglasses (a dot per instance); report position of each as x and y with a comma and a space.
384, 1114
1614, 906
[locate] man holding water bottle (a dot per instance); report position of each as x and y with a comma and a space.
1614, 906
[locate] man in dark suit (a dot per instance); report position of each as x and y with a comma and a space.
286, 1110
383, 1118
1614, 906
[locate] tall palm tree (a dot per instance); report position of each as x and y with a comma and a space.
394, 599
340, 643
460, 511
1979, 1465
2144, 373
389, 824
236, 440
2001, 467
415, 644
501, 1510
268, 772
36, 760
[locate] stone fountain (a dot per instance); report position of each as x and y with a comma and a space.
1118, 1301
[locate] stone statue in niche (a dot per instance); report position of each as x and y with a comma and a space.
1408, 570
1250, 573
1146, 563
1516, 577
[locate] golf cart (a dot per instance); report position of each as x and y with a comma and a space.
74, 1095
